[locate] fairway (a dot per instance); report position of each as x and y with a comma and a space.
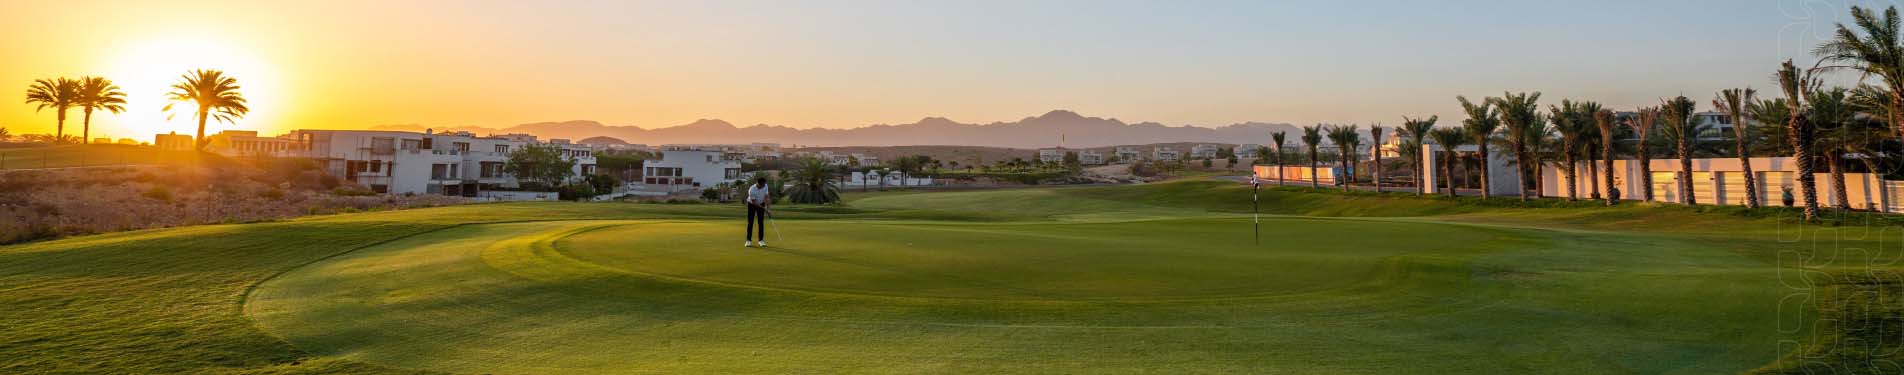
1032, 289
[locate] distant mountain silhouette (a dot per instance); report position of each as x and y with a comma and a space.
600, 140
1045, 130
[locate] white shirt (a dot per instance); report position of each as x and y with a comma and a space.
757, 194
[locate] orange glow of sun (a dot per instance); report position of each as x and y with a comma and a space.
146, 71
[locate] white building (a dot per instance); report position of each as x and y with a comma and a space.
1165, 154
1247, 150
416, 163
690, 167
1051, 155
1090, 157
1129, 155
1203, 151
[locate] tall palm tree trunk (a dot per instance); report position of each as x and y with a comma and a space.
1685, 172
1315, 179
1646, 172
1448, 173
1801, 139
1606, 156
1593, 176
1378, 168
1521, 159
1540, 176
201, 130
1279, 165
1833, 160
1486, 190
1745, 165
86, 127
1573, 187
59, 132
1348, 175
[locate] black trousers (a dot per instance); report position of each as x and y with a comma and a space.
755, 213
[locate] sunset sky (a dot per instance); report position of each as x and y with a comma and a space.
346, 64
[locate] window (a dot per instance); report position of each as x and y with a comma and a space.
439, 171
453, 171
375, 166
383, 145
462, 146
412, 144
502, 149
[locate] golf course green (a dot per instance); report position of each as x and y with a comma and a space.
1154, 278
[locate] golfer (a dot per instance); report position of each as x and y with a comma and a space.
757, 201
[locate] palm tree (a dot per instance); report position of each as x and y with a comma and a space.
1482, 121
1520, 117
58, 94
1604, 120
1796, 86
1279, 137
1540, 138
1682, 131
1879, 52
1572, 124
1838, 128
1734, 102
1311, 137
1346, 139
5, 134
1590, 141
1414, 133
1768, 126
1642, 124
98, 93
1449, 139
1375, 147
215, 96
813, 183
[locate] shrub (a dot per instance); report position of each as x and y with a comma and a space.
272, 193
352, 191
159, 193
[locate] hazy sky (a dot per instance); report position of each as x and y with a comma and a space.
343, 64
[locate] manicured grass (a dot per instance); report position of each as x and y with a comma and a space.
1151, 278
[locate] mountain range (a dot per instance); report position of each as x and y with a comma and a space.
1050, 129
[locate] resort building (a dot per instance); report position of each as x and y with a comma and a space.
246, 142
1052, 155
1129, 155
395, 162
1205, 151
1165, 154
1090, 157
173, 141
684, 167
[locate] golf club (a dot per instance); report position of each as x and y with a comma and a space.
775, 225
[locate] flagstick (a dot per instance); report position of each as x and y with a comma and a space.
1256, 215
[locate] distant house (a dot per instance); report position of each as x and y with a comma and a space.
689, 167
1128, 155
1165, 154
1203, 151
173, 141
1090, 157
1051, 155
1247, 150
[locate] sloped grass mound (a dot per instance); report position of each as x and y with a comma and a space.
1183, 295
